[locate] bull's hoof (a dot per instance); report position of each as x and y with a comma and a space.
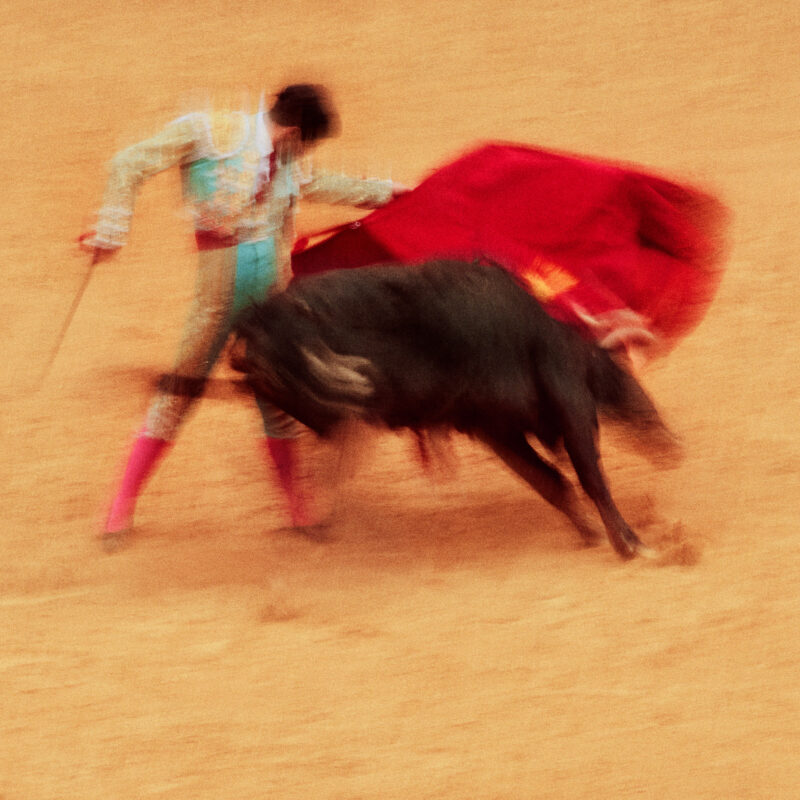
646, 552
586, 542
630, 547
590, 536
626, 543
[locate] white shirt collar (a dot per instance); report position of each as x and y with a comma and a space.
263, 139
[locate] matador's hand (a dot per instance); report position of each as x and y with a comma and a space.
99, 254
398, 189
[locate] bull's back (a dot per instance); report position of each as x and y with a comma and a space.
461, 305
447, 342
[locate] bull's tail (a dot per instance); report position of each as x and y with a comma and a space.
620, 398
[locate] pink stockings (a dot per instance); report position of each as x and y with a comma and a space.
147, 453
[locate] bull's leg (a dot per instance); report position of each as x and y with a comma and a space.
578, 428
513, 449
347, 444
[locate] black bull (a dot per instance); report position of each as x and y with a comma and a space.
450, 345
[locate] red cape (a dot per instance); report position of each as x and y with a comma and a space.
593, 240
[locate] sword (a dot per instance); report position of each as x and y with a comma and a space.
97, 256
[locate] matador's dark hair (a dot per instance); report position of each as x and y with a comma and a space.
308, 107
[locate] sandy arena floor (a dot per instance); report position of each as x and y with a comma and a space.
449, 641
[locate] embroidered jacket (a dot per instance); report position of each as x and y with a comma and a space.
230, 188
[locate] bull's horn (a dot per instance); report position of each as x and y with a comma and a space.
340, 373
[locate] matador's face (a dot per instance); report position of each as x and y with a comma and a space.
287, 143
